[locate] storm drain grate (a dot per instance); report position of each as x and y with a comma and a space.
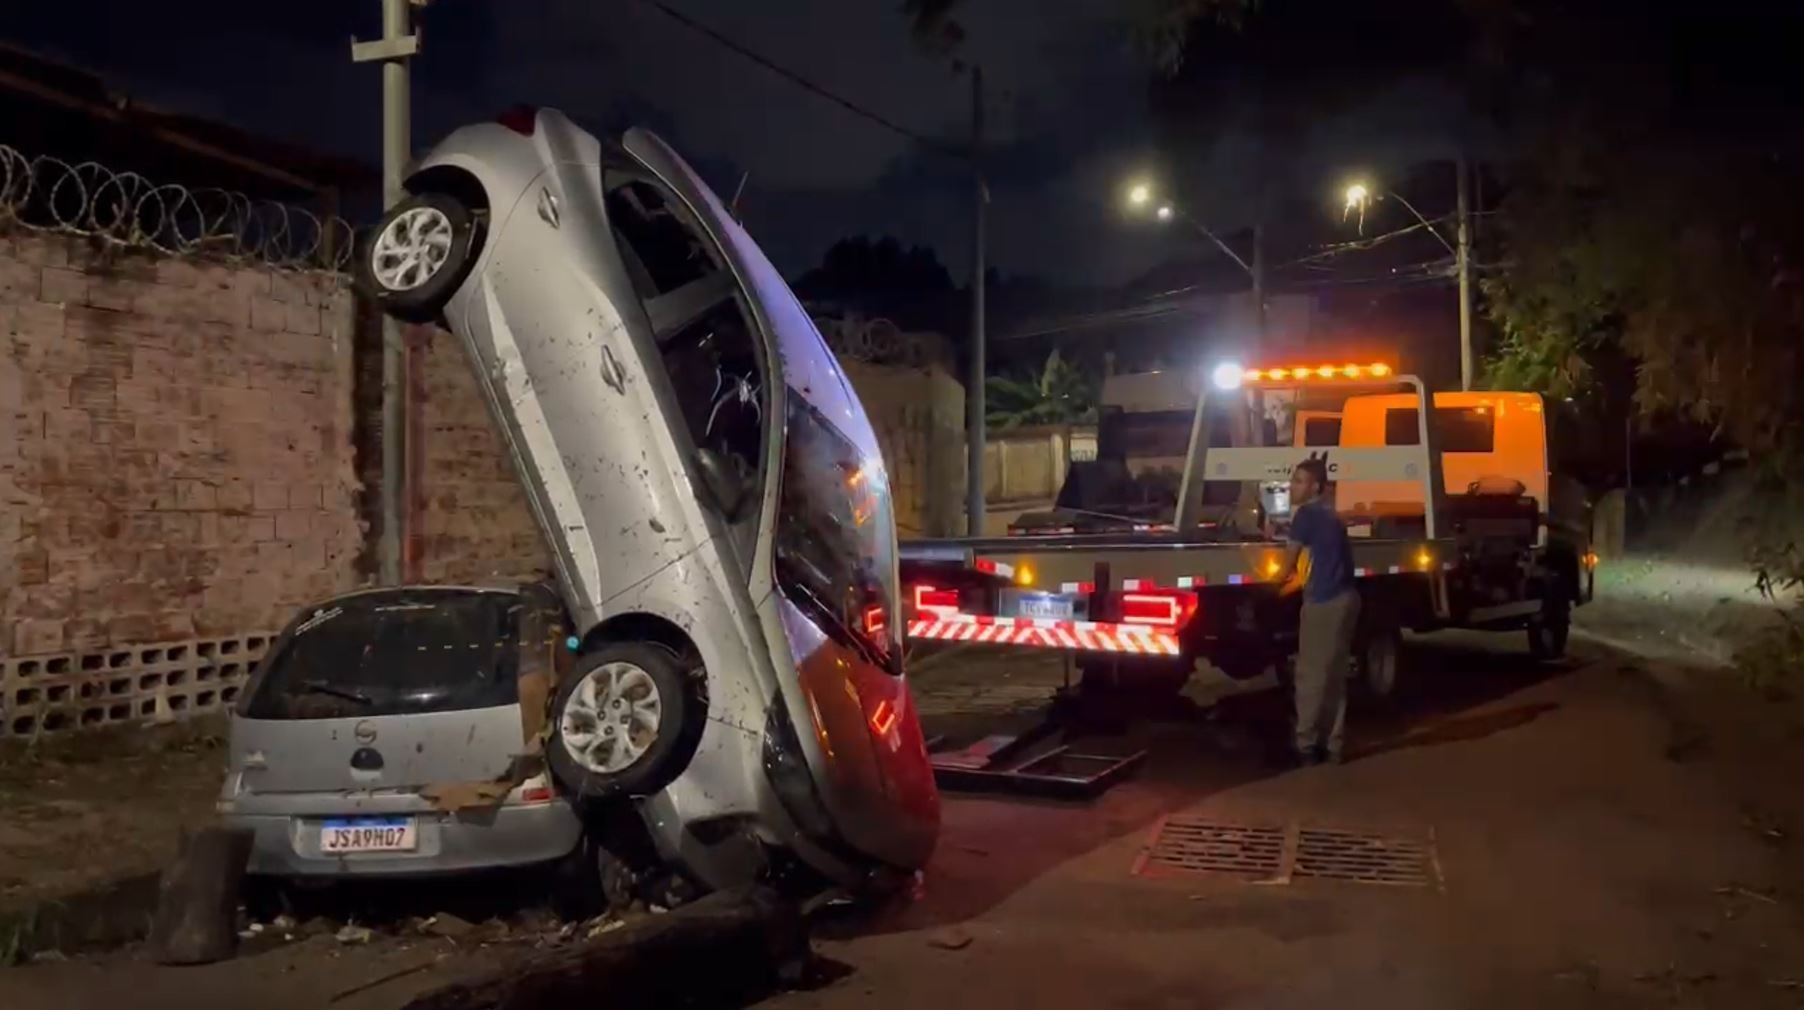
1196, 846
1281, 853
1335, 854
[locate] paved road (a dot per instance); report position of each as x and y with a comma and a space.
1594, 847
1601, 838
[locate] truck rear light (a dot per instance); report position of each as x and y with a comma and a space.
1165, 610
522, 119
929, 598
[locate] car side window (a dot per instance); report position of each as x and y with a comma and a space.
699, 316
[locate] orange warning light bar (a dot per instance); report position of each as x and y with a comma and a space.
1306, 373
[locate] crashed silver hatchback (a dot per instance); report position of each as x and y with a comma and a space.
711, 490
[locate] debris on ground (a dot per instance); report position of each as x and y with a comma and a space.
354, 934
1586, 974
601, 926
1742, 892
447, 926
950, 939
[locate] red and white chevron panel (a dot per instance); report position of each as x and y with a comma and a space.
1086, 636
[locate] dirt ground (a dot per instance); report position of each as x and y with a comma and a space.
86, 811
1615, 831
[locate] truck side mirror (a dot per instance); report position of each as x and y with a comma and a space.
723, 483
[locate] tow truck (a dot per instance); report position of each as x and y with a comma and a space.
1138, 600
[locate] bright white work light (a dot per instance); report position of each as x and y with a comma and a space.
1227, 375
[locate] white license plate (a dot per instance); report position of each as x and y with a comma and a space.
369, 834
1054, 607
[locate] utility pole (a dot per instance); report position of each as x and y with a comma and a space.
1258, 272
1463, 258
975, 479
392, 50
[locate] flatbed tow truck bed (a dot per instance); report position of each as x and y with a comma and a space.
1147, 606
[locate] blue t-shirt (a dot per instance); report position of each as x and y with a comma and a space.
1318, 528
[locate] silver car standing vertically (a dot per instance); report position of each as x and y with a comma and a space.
712, 493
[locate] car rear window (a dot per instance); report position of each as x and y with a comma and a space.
1458, 429
394, 653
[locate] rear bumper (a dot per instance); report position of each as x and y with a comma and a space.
288, 846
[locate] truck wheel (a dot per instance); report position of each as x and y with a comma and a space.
418, 254
623, 722
1548, 630
1379, 659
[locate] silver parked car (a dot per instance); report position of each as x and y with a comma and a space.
384, 735
712, 492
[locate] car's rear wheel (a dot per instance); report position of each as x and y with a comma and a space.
624, 721
418, 254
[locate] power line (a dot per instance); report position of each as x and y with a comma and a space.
798, 80
1358, 245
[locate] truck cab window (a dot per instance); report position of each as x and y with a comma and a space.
1458, 429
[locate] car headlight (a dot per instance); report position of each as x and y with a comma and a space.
787, 769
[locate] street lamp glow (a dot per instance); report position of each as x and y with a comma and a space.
1227, 375
1357, 196
1165, 212
1139, 194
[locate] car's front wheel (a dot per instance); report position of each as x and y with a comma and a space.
418, 254
623, 721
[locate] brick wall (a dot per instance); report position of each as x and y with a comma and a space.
176, 460
472, 522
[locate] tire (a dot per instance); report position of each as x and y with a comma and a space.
418, 254
1548, 630
1380, 660
625, 721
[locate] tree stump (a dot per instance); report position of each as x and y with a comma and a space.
196, 921
726, 946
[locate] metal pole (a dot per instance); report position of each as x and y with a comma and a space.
396, 148
974, 391
1464, 257
1257, 435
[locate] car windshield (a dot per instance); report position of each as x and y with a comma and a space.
835, 544
394, 653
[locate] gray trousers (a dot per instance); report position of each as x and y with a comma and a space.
1324, 647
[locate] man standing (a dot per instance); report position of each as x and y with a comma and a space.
1330, 612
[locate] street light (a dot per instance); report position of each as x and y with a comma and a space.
1139, 194
1165, 212
1359, 196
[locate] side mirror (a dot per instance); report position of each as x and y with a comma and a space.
723, 483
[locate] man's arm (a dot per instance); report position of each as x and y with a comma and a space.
1287, 576
1293, 552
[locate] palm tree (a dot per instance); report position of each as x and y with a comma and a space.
1060, 394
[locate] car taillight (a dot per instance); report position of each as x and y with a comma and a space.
1166, 610
521, 119
929, 598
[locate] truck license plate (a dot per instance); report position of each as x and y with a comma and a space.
369, 834
1054, 607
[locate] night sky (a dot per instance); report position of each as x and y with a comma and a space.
1068, 105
